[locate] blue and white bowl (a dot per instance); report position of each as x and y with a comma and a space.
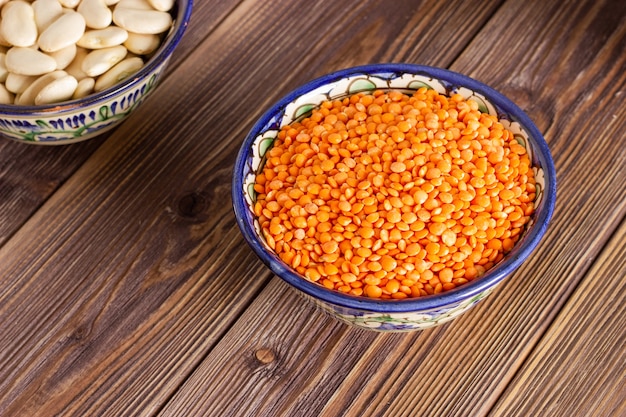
407, 314
82, 119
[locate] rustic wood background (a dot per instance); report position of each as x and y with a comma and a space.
126, 288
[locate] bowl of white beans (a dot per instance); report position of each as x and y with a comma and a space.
71, 70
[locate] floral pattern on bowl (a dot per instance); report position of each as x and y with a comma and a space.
392, 315
399, 322
81, 123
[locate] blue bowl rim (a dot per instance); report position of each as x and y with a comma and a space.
431, 302
160, 56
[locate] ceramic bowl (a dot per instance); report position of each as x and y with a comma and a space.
82, 119
392, 315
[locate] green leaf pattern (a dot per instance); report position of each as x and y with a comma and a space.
79, 124
400, 322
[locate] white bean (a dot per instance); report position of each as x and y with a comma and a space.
64, 57
75, 69
66, 30
3, 42
70, 4
134, 4
3, 68
17, 83
84, 88
111, 2
142, 21
18, 25
46, 12
118, 73
162, 5
96, 13
100, 61
27, 97
28, 61
6, 97
103, 38
57, 91
140, 44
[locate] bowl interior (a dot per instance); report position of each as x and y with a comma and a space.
406, 78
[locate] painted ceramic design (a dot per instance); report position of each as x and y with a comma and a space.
399, 322
387, 315
80, 123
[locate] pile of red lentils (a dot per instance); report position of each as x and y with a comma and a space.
386, 195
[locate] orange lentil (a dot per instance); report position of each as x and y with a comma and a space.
386, 195
373, 291
392, 286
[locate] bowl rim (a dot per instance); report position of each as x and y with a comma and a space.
162, 54
431, 302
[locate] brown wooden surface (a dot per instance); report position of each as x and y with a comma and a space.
126, 288
582, 348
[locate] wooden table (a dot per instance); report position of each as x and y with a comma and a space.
126, 288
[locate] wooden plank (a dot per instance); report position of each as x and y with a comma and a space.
579, 367
204, 19
138, 267
462, 367
275, 369
30, 174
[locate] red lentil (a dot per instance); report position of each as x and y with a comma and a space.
386, 195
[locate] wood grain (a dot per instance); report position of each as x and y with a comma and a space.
29, 174
127, 290
241, 384
138, 268
461, 368
579, 366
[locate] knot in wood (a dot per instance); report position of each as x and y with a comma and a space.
191, 205
81, 332
265, 356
